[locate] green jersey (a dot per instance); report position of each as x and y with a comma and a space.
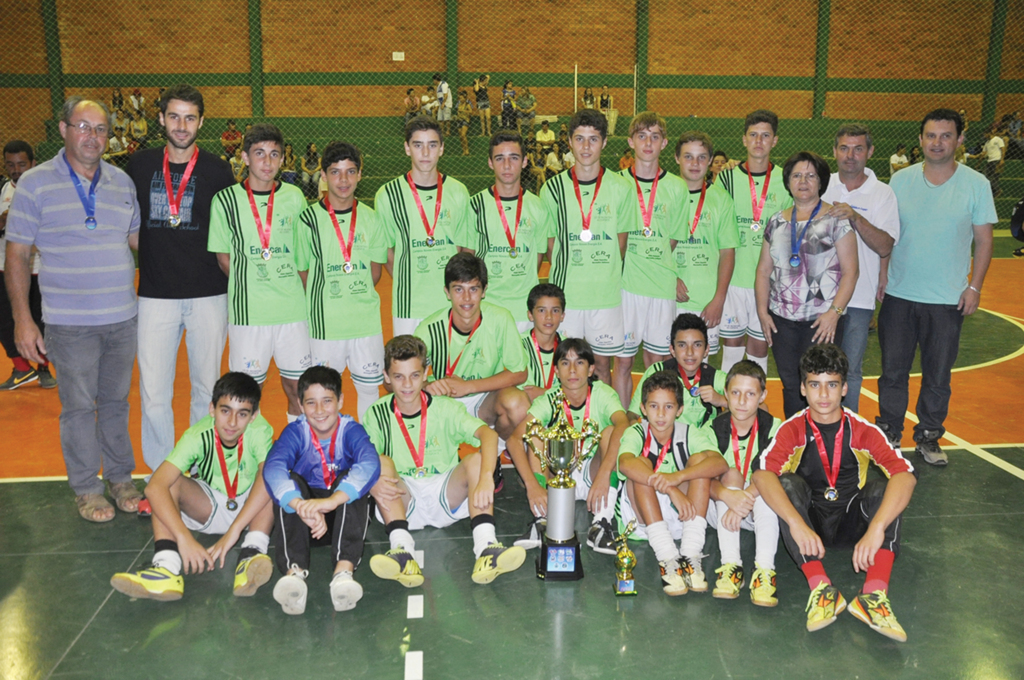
604, 402
261, 292
539, 363
697, 255
736, 183
448, 425
418, 287
649, 269
494, 345
695, 412
197, 449
509, 279
339, 305
589, 272
686, 440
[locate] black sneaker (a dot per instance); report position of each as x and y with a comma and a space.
929, 449
1019, 252
534, 532
890, 434
46, 379
19, 379
601, 537
499, 477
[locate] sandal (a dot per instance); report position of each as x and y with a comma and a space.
90, 503
126, 495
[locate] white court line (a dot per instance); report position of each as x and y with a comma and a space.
58, 478
414, 610
414, 666
418, 556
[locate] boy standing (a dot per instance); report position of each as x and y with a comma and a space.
814, 476
224, 495
319, 474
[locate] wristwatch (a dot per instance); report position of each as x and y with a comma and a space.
838, 310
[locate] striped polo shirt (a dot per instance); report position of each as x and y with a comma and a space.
87, 277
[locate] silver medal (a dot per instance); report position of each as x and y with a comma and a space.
586, 235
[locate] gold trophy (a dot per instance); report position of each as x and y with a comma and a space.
562, 450
625, 561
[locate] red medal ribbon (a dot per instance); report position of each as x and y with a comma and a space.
686, 381
417, 454
174, 199
831, 471
346, 250
647, 449
419, 204
586, 408
579, 197
230, 485
700, 208
449, 368
648, 212
736, 447
329, 475
540, 360
757, 207
509, 234
264, 235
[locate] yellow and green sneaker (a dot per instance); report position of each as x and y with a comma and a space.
150, 582
875, 610
251, 573
693, 572
762, 587
397, 565
495, 560
730, 581
823, 606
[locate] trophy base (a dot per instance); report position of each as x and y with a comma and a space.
625, 587
560, 560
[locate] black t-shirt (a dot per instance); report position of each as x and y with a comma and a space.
173, 261
813, 471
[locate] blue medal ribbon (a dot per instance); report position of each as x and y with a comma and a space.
794, 259
88, 202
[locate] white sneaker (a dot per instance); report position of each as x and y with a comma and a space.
345, 592
534, 532
290, 593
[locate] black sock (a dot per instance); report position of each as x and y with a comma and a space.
397, 524
248, 552
165, 544
482, 518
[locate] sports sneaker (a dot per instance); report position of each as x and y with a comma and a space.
894, 437
499, 477
495, 560
252, 572
19, 379
875, 610
762, 587
290, 593
345, 592
823, 606
397, 565
672, 580
145, 509
150, 582
932, 453
534, 533
46, 379
601, 537
730, 581
693, 572
1019, 252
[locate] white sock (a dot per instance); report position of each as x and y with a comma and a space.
256, 539
169, 560
760, 361
661, 541
766, 534
608, 511
693, 537
728, 541
291, 418
343, 575
365, 396
483, 536
402, 540
730, 357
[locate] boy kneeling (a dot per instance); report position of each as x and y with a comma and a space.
226, 495
319, 474
814, 476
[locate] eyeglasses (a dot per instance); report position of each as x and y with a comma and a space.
799, 176
85, 129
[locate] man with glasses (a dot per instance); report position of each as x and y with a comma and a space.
81, 214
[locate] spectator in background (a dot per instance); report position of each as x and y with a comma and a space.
248, 126
563, 140
898, 160
118, 149
138, 130
508, 107
118, 123
116, 100
553, 163
289, 166
311, 171
483, 104
465, 113
537, 169
230, 140
626, 160
915, 155
545, 136
238, 167
994, 151
568, 160
718, 161
428, 102
137, 102
412, 105
527, 105
444, 102
588, 99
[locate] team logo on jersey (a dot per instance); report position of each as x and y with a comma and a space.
602, 210
495, 267
756, 240
518, 269
285, 270
654, 253
371, 368
577, 256
701, 260
306, 361
261, 271
335, 287
601, 257
358, 286
421, 263
251, 364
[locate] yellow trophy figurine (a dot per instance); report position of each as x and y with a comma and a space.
625, 561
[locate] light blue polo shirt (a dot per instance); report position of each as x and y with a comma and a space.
932, 259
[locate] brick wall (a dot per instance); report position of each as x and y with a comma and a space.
32, 106
899, 106
729, 103
24, 47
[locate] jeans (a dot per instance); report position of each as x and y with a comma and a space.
993, 176
95, 368
902, 327
855, 342
161, 324
35, 303
791, 340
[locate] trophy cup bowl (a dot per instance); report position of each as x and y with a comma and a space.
625, 562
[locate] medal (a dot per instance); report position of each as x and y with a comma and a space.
346, 248
231, 505
794, 260
647, 232
586, 409
325, 467
265, 253
585, 234
417, 453
647, 448
431, 241
831, 470
420, 472
540, 359
230, 485
512, 253
263, 234
90, 222
347, 267
694, 387
757, 206
831, 494
755, 226
646, 213
449, 369
88, 200
174, 198
510, 234
745, 468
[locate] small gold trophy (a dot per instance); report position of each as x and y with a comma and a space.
625, 561
562, 450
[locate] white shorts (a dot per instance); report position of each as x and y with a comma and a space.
250, 349
428, 504
746, 523
523, 326
583, 480
624, 511
739, 315
445, 113
713, 342
473, 402
220, 517
602, 328
646, 320
364, 357
404, 326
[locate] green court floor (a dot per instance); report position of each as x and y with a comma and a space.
953, 589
